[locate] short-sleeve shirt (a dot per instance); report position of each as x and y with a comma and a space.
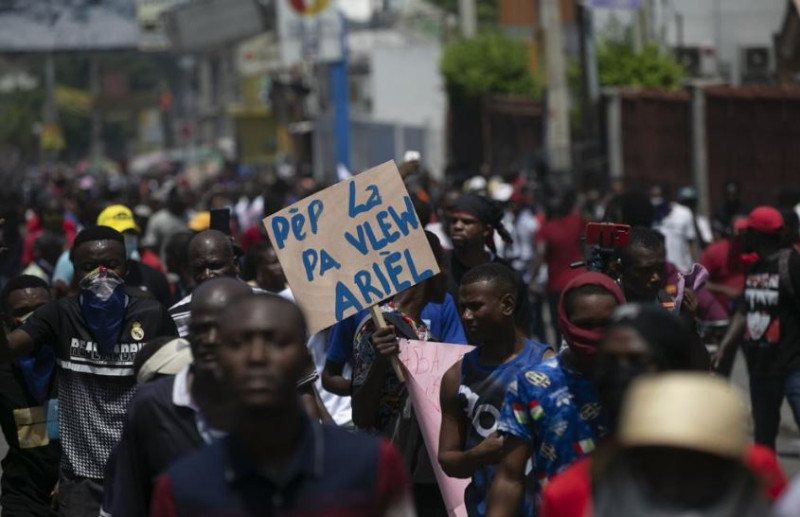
332, 473
772, 339
563, 239
441, 318
678, 230
394, 391
181, 312
557, 413
724, 267
94, 388
481, 393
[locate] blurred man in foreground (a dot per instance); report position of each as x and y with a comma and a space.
681, 440
276, 460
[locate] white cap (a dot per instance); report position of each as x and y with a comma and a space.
411, 156
693, 411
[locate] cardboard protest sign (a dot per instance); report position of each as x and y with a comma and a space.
351, 246
426, 364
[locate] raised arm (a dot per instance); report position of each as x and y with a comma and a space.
15, 344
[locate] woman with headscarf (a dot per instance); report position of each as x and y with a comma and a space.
641, 340
551, 412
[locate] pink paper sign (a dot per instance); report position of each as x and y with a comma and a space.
425, 365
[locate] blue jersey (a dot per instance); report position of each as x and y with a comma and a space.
481, 394
557, 412
442, 320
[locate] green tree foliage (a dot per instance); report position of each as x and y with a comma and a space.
489, 63
486, 10
620, 65
19, 112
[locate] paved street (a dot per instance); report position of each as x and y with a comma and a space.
789, 437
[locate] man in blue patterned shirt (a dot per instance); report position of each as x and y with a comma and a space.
551, 413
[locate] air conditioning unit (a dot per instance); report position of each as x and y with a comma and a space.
756, 60
690, 58
698, 61
755, 64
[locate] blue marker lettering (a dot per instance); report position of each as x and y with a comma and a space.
327, 262
345, 301
363, 281
280, 229
389, 263
310, 258
374, 200
381, 277
416, 277
377, 244
298, 220
386, 226
360, 243
405, 218
314, 213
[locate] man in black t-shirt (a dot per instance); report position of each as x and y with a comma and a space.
471, 227
96, 335
769, 319
30, 469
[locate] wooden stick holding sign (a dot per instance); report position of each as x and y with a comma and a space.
377, 318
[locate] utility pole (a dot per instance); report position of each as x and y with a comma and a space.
468, 13
643, 26
341, 100
50, 112
96, 148
557, 128
590, 82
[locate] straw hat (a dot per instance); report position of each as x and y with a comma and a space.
687, 411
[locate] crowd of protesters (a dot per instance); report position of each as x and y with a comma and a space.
154, 361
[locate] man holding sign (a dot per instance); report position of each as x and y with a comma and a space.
380, 399
474, 388
349, 248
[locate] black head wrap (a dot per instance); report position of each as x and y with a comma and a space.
487, 212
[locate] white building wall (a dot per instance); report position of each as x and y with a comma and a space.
725, 25
408, 89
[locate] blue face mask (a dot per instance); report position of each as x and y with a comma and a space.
102, 302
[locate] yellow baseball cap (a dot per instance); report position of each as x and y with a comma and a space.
118, 217
200, 222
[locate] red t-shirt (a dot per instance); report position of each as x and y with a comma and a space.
563, 239
250, 237
724, 267
148, 258
570, 493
